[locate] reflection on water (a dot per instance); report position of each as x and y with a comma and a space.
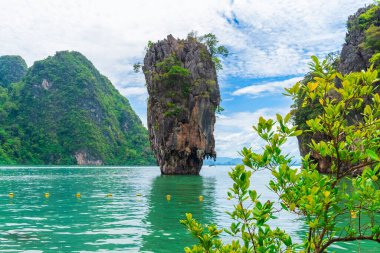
165, 233
137, 218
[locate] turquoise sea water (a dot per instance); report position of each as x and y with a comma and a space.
137, 218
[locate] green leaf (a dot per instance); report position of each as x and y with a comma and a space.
315, 59
372, 154
279, 118
296, 133
287, 118
284, 206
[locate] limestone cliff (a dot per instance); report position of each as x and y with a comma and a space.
183, 97
355, 54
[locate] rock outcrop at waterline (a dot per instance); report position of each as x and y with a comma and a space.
183, 98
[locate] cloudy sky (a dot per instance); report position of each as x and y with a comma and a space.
270, 41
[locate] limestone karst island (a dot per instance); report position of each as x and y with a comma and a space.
190, 126
183, 98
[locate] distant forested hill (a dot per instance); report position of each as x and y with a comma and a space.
63, 111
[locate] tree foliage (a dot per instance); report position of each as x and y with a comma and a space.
12, 69
302, 114
335, 207
369, 23
372, 38
369, 17
212, 43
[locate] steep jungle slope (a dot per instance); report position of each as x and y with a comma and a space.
66, 112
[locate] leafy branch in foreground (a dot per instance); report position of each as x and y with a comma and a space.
335, 207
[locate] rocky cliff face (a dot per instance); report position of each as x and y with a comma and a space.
355, 55
183, 97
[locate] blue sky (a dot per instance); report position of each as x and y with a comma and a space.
270, 41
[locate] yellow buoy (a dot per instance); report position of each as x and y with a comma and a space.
77, 195
109, 195
11, 195
47, 195
168, 197
138, 194
201, 198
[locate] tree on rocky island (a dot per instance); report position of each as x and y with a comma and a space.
183, 98
335, 207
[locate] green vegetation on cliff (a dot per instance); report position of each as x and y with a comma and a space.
12, 69
369, 23
65, 112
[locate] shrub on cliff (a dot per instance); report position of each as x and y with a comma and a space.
336, 207
369, 22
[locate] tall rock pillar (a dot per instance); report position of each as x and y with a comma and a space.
183, 98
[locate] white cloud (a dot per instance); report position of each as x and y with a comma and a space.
264, 88
134, 91
272, 38
277, 37
233, 132
112, 33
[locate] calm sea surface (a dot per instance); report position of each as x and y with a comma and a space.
137, 218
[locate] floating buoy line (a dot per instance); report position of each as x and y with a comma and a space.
109, 195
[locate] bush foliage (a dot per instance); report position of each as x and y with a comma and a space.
336, 207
